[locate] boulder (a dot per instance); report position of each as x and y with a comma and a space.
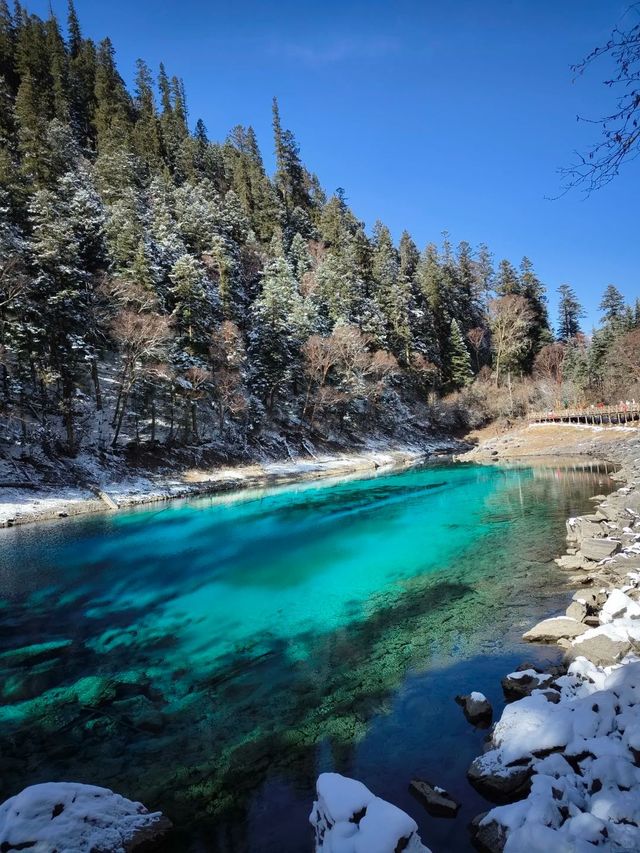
346, 816
516, 685
77, 818
577, 610
571, 562
35, 653
589, 529
619, 604
551, 630
599, 549
603, 646
488, 835
477, 708
436, 800
496, 781
591, 597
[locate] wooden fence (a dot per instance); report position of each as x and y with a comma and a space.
623, 413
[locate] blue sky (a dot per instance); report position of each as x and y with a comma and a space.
432, 115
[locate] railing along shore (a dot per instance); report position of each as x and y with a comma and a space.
622, 413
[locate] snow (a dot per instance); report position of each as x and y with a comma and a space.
348, 818
597, 801
477, 697
74, 818
619, 604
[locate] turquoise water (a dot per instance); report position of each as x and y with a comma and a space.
210, 657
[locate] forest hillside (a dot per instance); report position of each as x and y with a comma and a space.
161, 294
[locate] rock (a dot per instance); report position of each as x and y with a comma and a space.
551, 630
599, 549
477, 708
600, 646
571, 562
435, 799
489, 836
77, 818
346, 816
497, 782
589, 529
590, 597
619, 604
516, 685
92, 691
577, 610
36, 653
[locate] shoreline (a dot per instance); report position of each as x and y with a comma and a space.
547, 755
41, 503
38, 502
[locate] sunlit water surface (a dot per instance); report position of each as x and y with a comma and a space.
210, 658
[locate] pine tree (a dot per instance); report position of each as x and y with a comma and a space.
275, 339
459, 371
507, 282
146, 133
569, 313
612, 306
534, 292
290, 178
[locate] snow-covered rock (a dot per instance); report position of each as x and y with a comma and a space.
603, 645
348, 818
581, 756
477, 708
77, 818
523, 682
619, 604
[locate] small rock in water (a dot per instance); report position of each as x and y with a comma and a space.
477, 708
436, 800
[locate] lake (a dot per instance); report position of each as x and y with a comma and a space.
211, 657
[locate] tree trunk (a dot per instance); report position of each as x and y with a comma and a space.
194, 418
67, 391
123, 407
96, 384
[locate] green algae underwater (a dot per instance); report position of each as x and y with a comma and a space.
210, 657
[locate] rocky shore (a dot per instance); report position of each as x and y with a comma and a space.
564, 758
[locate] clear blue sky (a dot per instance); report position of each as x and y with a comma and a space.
432, 115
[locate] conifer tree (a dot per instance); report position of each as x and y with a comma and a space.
612, 306
459, 371
569, 313
507, 281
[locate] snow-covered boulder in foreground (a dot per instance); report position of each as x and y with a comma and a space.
582, 756
76, 818
348, 818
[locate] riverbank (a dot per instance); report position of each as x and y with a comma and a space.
566, 754
40, 502
537, 440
